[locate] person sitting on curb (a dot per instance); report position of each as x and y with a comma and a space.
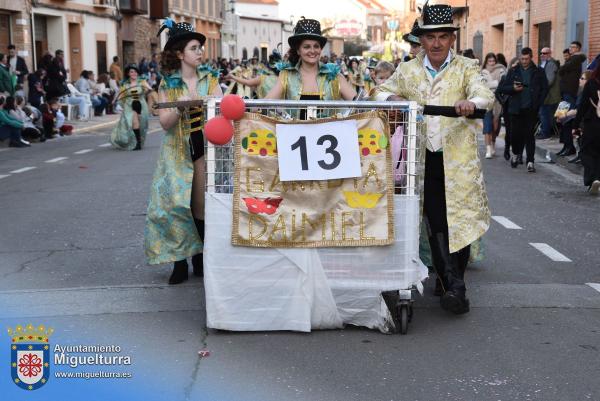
54, 120
11, 128
14, 106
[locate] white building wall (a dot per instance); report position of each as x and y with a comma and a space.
228, 33
91, 26
257, 10
58, 35
258, 33
56, 26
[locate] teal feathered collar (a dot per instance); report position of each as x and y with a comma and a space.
175, 81
215, 72
331, 70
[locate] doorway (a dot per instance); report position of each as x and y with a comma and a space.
264, 54
4, 29
40, 38
75, 50
101, 57
544, 33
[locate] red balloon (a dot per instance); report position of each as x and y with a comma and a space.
218, 130
233, 107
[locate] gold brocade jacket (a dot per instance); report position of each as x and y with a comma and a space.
467, 208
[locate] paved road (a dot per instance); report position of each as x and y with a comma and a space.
71, 257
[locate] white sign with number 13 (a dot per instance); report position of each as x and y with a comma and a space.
325, 151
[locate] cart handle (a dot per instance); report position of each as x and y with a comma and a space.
449, 111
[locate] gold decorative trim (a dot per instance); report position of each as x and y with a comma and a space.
235, 237
283, 76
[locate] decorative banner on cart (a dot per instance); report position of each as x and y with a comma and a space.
307, 212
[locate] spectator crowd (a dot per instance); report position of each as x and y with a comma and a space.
533, 102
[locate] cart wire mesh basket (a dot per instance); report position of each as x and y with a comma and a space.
356, 276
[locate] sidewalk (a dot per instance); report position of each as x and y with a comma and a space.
95, 123
546, 150
85, 127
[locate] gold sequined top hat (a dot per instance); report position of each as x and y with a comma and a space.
180, 31
435, 18
307, 29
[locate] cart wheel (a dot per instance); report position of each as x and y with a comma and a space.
403, 312
410, 313
395, 312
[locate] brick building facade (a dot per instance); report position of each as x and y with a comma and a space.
14, 28
206, 16
506, 26
137, 37
594, 32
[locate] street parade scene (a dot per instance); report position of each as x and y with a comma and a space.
300, 200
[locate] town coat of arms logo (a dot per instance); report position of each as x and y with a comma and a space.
30, 356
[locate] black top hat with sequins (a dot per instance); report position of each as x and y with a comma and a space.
132, 66
307, 29
435, 18
411, 37
180, 31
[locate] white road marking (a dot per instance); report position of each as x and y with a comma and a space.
104, 145
4, 176
506, 223
595, 286
56, 159
22, 170
152, 131
550, 252
83, 151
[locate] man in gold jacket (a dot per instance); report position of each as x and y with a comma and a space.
455, 204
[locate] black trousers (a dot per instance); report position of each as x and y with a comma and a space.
507, 127
522, 133
450, 266
434, 197
590, 151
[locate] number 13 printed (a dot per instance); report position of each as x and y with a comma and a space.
318, 151
333, 143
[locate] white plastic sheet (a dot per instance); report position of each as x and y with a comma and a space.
255, 289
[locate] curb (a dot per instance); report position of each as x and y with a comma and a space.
94, 127
548, 156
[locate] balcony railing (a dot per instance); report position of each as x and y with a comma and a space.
104, 3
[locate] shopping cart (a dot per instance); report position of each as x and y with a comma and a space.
395, 274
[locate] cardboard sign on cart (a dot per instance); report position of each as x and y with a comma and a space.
335, 186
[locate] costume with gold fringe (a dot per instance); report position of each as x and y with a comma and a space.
170, 233
122, 136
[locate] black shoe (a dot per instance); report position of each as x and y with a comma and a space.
514, 162
455, 302
530, 167
520, 159
17, 144
506, 154
451, 266
562, 151
570, 152
575, 160
198, 266
439, 288
180, 272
